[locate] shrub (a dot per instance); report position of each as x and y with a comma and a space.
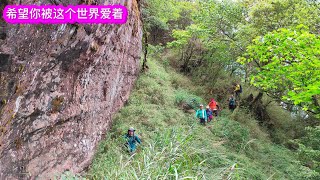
244, 117
284, 127
184, 98
155, 51
309, 148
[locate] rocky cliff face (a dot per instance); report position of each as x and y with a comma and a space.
60, 85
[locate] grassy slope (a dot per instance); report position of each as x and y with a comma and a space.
176, 146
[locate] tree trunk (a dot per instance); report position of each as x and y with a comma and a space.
145, 44
257, 99
316, 102
186, 60
260, 111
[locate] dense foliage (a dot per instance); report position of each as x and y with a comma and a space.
286, 64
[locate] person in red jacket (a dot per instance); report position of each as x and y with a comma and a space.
214, 106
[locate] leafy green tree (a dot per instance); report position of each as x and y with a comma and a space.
211, 43
268, 15
188, 44
285, 64
156, 15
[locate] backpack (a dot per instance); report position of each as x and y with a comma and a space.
240, 88
232, 102
213, 105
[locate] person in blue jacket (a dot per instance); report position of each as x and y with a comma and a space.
132, 140
209, 114
202, 115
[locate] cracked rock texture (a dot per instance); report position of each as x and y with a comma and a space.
60, 86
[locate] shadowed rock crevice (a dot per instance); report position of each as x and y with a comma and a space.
69, 57
4, 62
60, 86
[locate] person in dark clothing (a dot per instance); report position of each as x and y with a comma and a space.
209, 114
132, 140
232, 103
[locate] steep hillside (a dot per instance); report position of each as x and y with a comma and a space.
60, 84
176, 146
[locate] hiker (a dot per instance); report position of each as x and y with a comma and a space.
132, 140
209, 113
202, 115
214, 106
232, 103
237, 90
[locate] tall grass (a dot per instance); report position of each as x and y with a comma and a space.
176, 146
167, 156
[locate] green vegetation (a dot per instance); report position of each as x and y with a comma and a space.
309, 151
274, 134
287, 66
175, 145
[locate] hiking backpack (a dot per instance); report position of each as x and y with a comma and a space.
232, 102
